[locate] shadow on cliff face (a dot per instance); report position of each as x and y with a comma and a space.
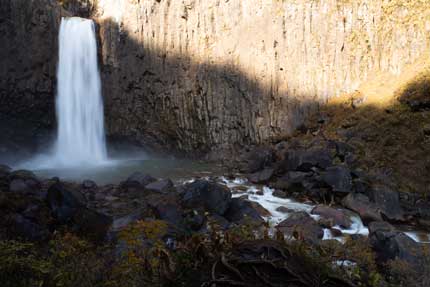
162, 101
28, 57
179, 104
174, 103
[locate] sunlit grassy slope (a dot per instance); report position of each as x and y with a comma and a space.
388, 122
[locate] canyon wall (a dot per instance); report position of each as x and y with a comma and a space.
28, 59
199, 75
202, 75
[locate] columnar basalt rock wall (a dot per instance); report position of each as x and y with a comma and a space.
207, 74
202, 75
28, 58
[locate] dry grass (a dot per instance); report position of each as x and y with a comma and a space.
388, 135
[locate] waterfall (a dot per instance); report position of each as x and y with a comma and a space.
80, 134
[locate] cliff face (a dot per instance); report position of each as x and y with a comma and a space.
28, 53
205, 74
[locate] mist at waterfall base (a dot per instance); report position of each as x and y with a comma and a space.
79, 151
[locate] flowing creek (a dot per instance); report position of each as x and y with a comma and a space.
185, 171
264, 196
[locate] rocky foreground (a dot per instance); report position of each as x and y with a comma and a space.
150, 231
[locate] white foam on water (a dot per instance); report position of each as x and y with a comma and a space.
357, 227
419, 237
264, 196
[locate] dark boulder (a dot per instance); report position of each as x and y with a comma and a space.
343, 150
5, 170
4, 177
388, 202
380, 226
122, 222
91, 223
23, 174
338, 178
390, 245
29, 186
206, 194
89, 184
338, 216
167, 207
64, 202
160, 186
301, 226
261, 176
305, 160
139, 179
245, 211
284, 209
257, 159
280, 194
24, 182
27, 229
194, 220
260, 209
294, 181
361, 204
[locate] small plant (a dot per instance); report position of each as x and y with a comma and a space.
20, 265
143, 256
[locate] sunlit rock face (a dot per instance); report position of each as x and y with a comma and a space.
203, 75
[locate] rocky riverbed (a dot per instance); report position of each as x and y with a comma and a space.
311, 194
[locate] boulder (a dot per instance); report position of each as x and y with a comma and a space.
139, 179
215, 221
305, 160
167, 208
22, 174
26, 228
361, 204
5, 170
4, 177
63, 202
284, 209
301, 226
89, 184
91, 223
340, 217
260, 209
122, 222
210, 195
388, 203
161, 186
29, 186
390, 245
338, 178
261, 176
343, 150
280, 194
294, 181
245, 211
258, 159
380, 226
194, 220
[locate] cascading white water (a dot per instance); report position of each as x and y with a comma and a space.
80, 138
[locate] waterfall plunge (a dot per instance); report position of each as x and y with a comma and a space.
80, 138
